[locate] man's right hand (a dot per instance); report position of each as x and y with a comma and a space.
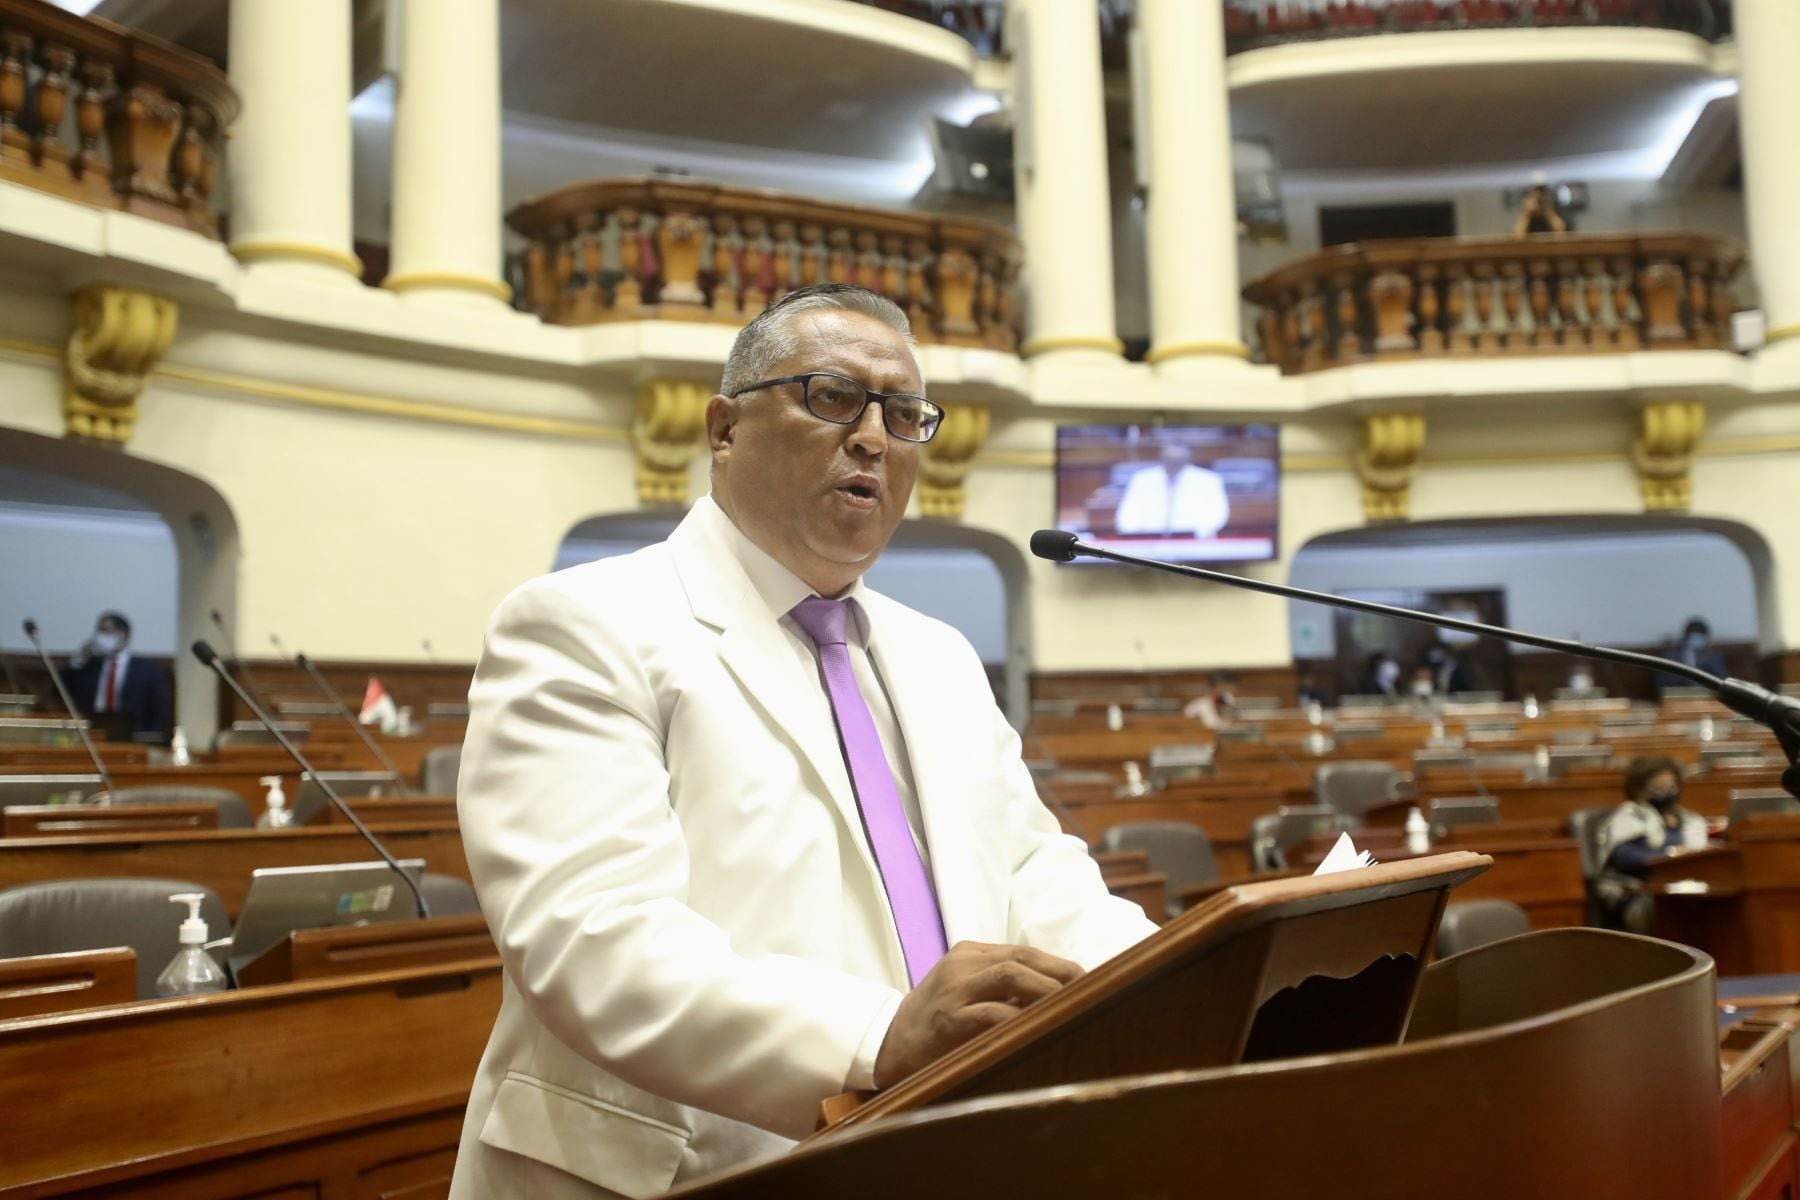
972, 988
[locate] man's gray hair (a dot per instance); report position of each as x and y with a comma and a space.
768, 339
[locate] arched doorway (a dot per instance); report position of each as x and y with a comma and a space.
126, 497
972, 580
1626, 581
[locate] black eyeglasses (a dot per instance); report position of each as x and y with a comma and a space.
843, 401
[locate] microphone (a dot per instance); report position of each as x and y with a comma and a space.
430, 654
325, 689
31, 631
210, 659
1778, 713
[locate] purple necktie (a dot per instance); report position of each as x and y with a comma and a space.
872, 778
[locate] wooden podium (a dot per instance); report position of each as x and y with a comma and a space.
1567, 1062
1275, 969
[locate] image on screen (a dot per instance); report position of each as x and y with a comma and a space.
1186, 493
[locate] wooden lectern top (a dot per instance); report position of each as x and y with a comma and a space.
1261, 970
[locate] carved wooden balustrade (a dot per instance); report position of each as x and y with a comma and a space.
1456, 297
638, 249
110, 117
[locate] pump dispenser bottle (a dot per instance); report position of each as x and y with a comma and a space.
192, 971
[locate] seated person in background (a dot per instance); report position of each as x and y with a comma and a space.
1448, 671
1696, 649
747, 833
103, 677
1651, 823
1218, 706
1537, 213
1381, 677
1176, 497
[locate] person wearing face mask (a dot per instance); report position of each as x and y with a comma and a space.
121, 691
1650, 824
1695, 648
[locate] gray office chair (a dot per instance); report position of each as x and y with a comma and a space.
1353, 788
447, 895
1462, 810
1179, 851
1473, 923
1585, 825
234, 813
442, 763
1272, 835
93, 914
1745, 801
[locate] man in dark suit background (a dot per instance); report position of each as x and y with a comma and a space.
104, 677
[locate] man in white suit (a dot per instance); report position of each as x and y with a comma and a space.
1174, 498
738, 858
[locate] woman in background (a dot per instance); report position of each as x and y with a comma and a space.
1649, 825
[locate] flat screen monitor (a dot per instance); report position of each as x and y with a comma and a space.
283, 899
1182, 493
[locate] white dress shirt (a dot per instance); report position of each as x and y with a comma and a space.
120, 663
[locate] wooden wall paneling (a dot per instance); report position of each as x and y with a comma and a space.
317, 1059
406, 1155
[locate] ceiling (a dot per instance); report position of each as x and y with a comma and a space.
692, 72
1433, 118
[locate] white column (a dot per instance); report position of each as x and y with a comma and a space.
1768, 34
446, 223
1191, 217
1065, 215
289, 158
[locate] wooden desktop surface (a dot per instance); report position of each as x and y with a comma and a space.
221, 859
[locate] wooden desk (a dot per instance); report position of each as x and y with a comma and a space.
1542, 875
70, 820
47, 983
279, 1091
393, 810
221, 859
1748, 914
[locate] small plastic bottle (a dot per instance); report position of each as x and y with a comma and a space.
192, 971
1115, 717
276, 813
1531, 708
1418, 832
179, 754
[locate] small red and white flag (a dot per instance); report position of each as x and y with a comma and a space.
378, 708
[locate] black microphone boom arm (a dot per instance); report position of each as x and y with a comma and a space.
210, 659
1778, 713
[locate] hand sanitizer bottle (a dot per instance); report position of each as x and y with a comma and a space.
1530, 707
179, 754
276, 813
192, 971
1418, 832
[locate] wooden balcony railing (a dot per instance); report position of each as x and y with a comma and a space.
641, 249
1253, 24
110, 117
1457, 297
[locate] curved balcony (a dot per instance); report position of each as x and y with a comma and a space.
981, 23
1470, 297
650, 249
1254, 24
109, 117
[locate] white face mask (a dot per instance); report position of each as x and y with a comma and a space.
108, 643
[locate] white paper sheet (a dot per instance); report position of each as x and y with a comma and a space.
1344, 856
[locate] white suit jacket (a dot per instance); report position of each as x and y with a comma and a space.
661, 828
1196, 503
